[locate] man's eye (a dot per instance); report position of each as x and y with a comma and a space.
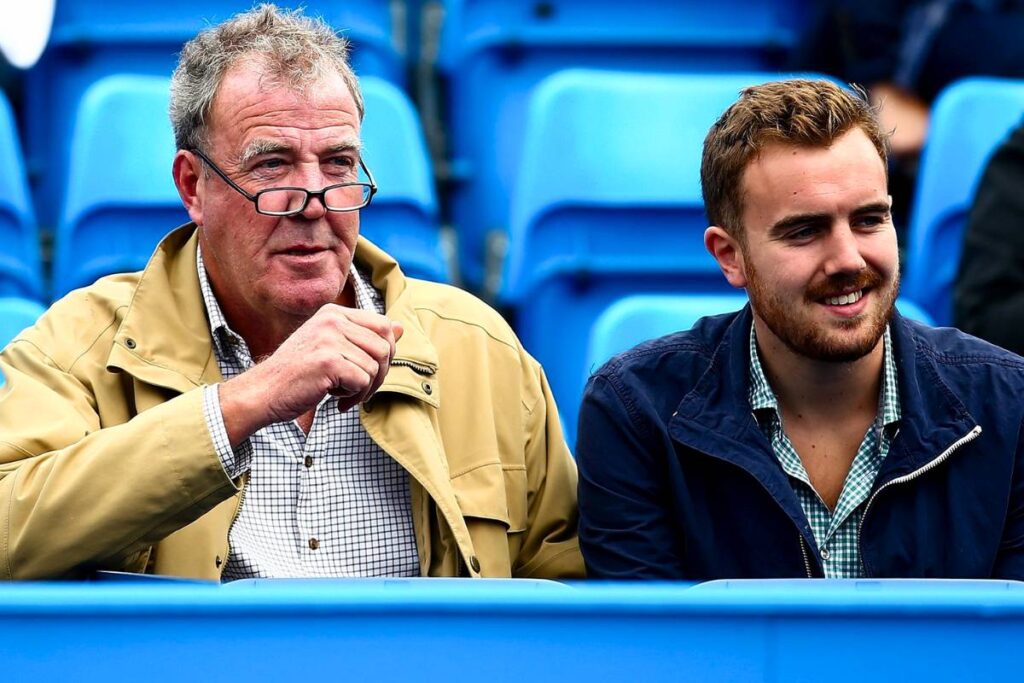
872, 220
803, 233
271, 163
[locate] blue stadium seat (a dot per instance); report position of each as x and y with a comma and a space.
969, 120
607, 203
16, 314
120, 197
494, 52
96, 38
19, 240
402, 219
113, 219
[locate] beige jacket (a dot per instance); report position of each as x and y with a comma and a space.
106, 461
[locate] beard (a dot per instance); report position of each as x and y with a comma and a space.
841, 341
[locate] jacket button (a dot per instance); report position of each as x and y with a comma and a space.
217, 562
474, 563
129, 342
427, 389
313, 544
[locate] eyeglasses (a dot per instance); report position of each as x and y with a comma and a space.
288, 201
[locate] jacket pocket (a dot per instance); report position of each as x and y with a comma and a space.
493, 492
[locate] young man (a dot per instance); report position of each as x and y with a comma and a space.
272, 396
816, 432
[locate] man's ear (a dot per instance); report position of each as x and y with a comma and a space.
726, 250
186, 170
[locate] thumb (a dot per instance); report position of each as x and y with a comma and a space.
398, 329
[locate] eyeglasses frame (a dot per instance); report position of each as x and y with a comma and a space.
319, 194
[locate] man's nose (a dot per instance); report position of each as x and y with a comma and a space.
315, 207
844, 253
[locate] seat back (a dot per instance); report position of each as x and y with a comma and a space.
607, 203
92, 39
402, 219
493, 53
120, 197
969, 120
20, 272
112, 220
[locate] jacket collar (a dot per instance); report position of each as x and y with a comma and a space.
164, 338
715, 417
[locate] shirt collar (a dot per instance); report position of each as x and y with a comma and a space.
763, 398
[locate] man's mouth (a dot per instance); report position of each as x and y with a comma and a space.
845, 299
301, 251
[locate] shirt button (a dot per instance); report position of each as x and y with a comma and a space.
313, 544
308, 462
825, 554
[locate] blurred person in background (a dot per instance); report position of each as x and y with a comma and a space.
905, 52
272, 396
989, 293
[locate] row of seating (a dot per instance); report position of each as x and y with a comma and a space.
485, 56
606, 201
120, 198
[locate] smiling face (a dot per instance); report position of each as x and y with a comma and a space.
819, 256
266, 135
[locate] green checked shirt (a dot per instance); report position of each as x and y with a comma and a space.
836, 533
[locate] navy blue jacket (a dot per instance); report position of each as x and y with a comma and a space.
677, 480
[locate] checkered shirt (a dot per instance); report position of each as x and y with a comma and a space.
330, 503
837, 533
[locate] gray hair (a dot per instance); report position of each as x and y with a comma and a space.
296, 50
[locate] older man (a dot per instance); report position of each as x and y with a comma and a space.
271, 396
815, 432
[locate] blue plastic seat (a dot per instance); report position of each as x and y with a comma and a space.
120, 197
608, 203
92, 39
113, 219
494, 52
16, 314
969, 120
19, 239
402, 219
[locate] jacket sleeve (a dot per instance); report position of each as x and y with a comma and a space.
76, 495
1010, 561
550, 549
989, 290
626, 530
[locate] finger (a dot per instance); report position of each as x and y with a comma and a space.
371, 320
354, 374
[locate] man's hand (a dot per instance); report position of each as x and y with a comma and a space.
345, 352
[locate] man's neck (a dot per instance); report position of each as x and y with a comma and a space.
821, 389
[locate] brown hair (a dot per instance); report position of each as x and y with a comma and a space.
811, 113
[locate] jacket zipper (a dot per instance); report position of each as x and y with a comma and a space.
234, 518
945, 455
807, 560
424, 370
